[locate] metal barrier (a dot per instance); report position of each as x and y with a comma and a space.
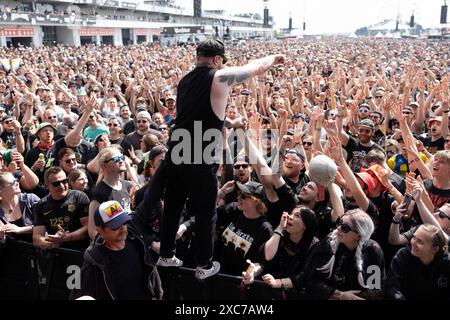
26, 273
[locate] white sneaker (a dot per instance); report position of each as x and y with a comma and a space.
169, 262
202, 274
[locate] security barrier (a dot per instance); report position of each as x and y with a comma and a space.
26, 273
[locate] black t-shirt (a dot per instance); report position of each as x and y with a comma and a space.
378, 136
302, 181
433, 146
438, 197
65, 213
326, 224
240, 239
103, 193
9, 138
287, 201
126, 267
83, 152
357, 154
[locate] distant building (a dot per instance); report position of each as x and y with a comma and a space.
118, 22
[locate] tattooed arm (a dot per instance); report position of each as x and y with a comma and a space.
225, 78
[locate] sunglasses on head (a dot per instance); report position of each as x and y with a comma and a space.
239, 166
113, 125
441, 213
344, 227
12, 183
58, 183
116, 159
307, 144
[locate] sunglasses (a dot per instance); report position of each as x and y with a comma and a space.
344, 227
70, 160
91, 117
309, 144
115, 125
441, 213
116, 159
378, 97
12, 183
163, 129
447, 140
407, 112
52, 117
239, 166
58, 183
7, 121
364, 111
141, 121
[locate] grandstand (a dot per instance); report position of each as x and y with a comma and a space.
120, 22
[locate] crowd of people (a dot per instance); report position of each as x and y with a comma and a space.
90, 160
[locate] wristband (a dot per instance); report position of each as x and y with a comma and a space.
278, 233
286, 283
395, 222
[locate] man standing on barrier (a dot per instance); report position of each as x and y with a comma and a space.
191, 172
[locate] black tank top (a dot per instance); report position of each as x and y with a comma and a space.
195, 115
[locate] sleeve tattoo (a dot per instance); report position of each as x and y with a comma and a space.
234, 77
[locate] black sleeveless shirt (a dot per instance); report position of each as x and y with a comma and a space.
195, 116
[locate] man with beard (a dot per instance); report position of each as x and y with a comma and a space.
120, 267
112, 187
315, 197
357, 149
294, 172
242, 172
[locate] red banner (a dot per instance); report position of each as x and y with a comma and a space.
97, 31
16, 32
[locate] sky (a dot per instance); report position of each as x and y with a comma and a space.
339, 16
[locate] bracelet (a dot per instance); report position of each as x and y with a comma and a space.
278, 233
395, 222
286, 283
415, 160
318, 129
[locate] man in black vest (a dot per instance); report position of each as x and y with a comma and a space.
191, 162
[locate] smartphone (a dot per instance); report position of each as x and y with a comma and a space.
407, 200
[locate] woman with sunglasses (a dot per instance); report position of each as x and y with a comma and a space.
16, 217
348, 265
286, 252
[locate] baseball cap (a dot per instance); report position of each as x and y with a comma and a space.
435, 119
143, 115
367, 123
241, 160
110, 214
171, 98
253, 188
44, 125
297, 153
211, 48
